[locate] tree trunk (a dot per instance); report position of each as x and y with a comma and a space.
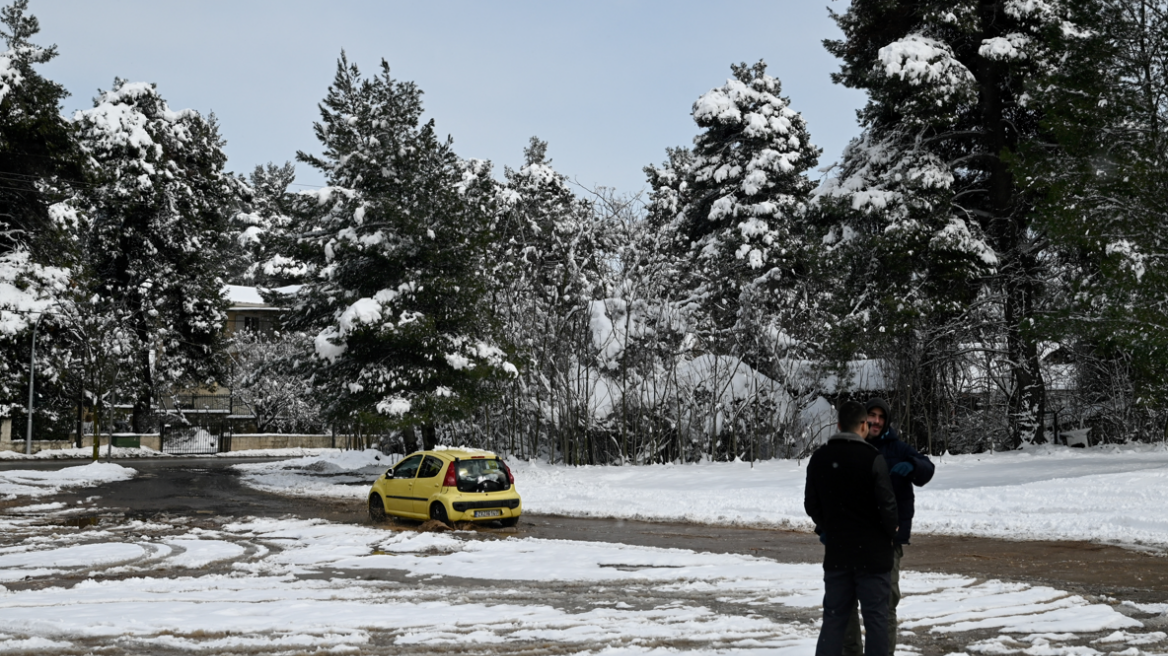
1020, 268
429, 436
143, 404
409, 439
80, 410
1028, 392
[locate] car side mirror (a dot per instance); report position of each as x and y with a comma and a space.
389, 473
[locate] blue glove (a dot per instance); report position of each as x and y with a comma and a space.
822, 538
903, 468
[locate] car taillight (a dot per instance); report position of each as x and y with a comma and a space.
451, 479
510, 476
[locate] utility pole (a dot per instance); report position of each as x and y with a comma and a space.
32, 381
31, 385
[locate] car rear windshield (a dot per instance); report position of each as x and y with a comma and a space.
481, 475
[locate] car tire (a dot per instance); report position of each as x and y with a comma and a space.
438, 512
376, 509
508, 522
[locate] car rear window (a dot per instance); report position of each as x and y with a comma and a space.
481, 475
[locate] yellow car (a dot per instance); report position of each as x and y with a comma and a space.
450, 485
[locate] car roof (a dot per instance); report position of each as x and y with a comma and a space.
461, 452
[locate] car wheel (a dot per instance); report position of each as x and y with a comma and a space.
376, 509
438, 512
509, 522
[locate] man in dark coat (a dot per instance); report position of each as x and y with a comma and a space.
849, 497
908, 468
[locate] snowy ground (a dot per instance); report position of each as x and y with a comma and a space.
72, 583
1112, 494
119, 453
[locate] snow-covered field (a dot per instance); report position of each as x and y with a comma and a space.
1113, 494
279, 586
291, 586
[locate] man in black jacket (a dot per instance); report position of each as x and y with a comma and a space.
908, 467
849, 497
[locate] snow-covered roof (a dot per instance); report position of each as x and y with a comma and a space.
242, 297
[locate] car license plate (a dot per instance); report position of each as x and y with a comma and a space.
488, 513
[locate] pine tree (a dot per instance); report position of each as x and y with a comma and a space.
395, 247
545, 236
1105, 185
40, 170
39, 160
549, 265
930, 189
159, 211
262, 229
732, 207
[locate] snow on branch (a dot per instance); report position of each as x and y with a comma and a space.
1004, 48
922, 61
1040, 9
957, 236
1130, 256
27, 290
10, 77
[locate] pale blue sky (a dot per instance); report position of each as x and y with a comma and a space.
609, 84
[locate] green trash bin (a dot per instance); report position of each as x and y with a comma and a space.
128, 441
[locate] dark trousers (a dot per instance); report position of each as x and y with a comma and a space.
843, 589
853, 645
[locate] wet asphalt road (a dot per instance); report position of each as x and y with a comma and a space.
208, 486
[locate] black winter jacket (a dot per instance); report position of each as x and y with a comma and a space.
895, 451
849, 497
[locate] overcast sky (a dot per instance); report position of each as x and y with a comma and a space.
609, 84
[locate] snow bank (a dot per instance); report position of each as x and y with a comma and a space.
330, 474
35, 483
119, 452
84, 453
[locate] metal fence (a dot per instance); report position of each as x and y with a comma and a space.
196, 423
194, 439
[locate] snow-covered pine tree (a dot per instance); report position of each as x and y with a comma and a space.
732, 211
262, 229
39, 159
40, 169
658, 253
741, 268
929, 191
159, 210
545, 235
548, 264
395, 248
1105, 178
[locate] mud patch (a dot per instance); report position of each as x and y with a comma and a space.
85, 521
